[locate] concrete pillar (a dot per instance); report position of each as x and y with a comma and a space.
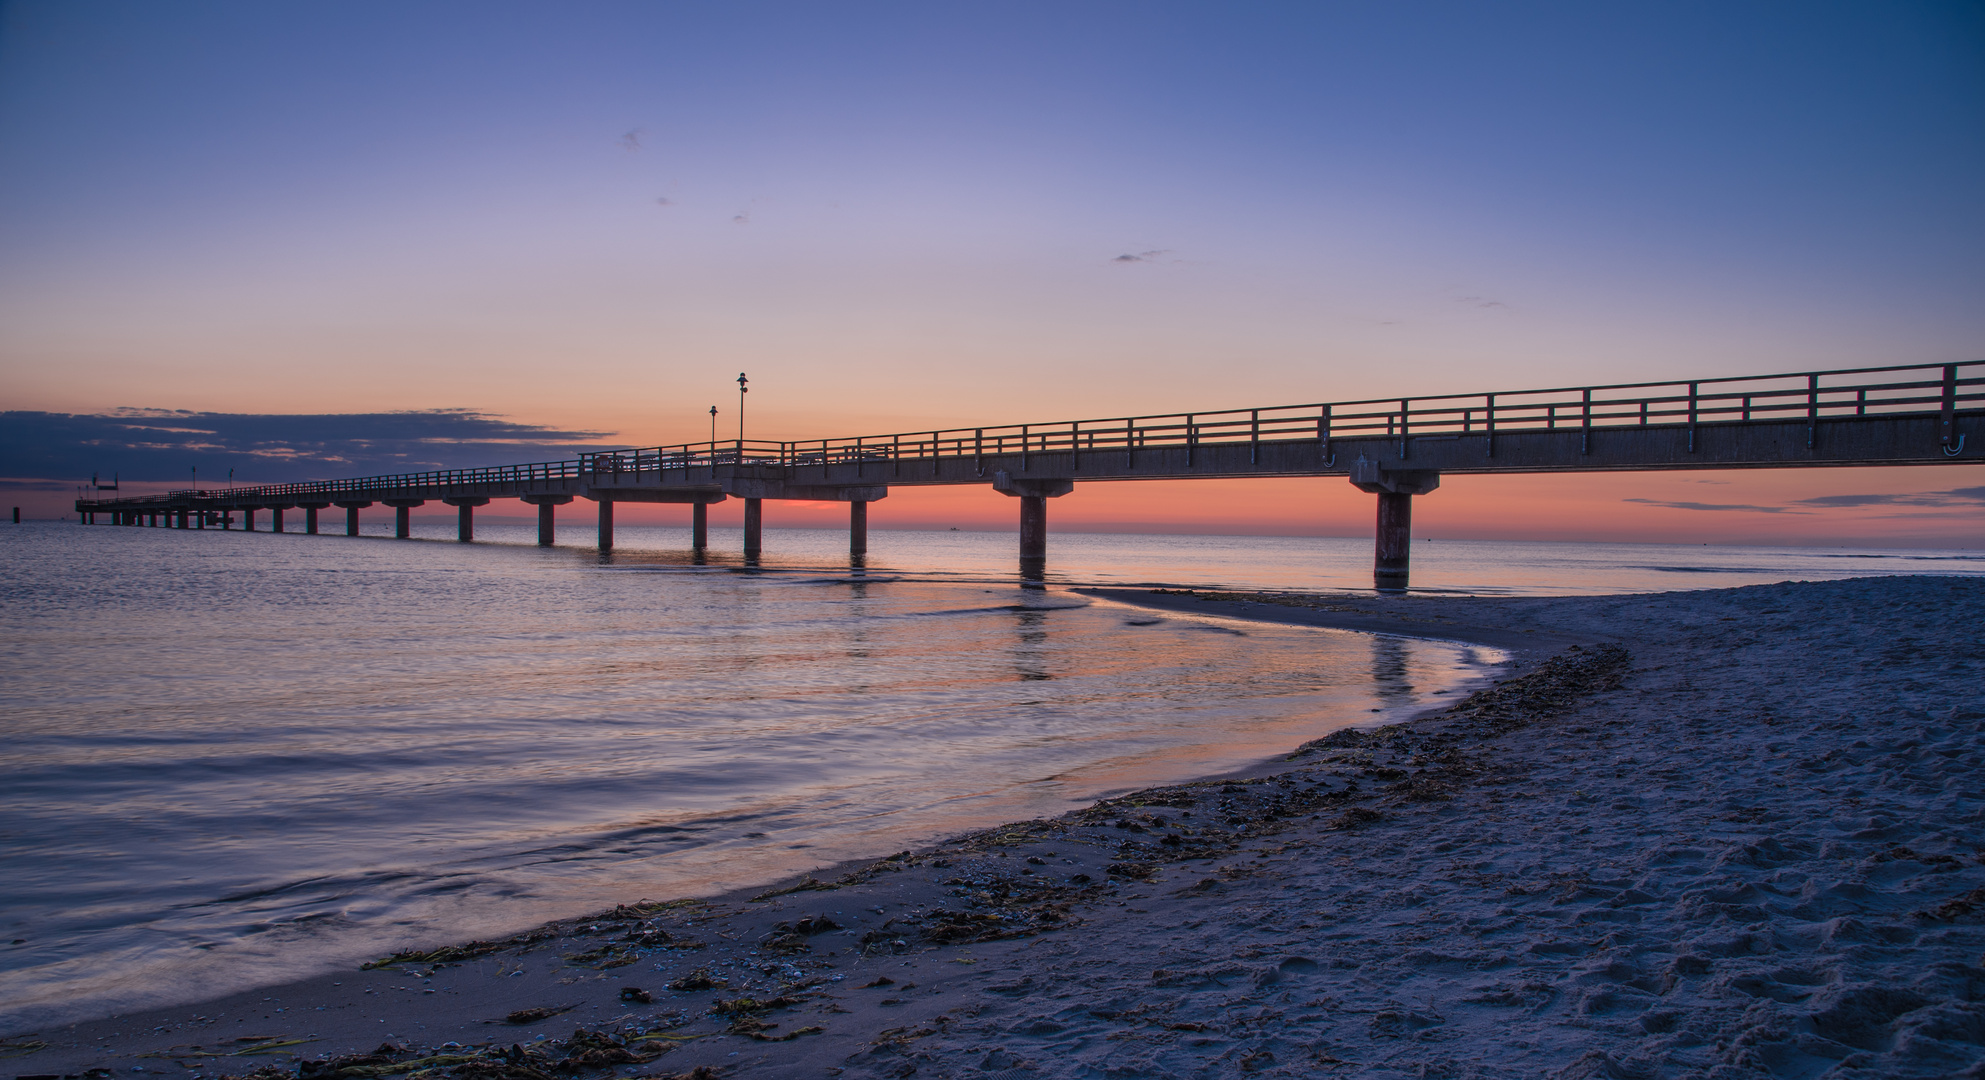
1033, 527
754, 527
201, 519
227, 520
606, 524
276, 519
403, 526
465, 522
857, 529
547, 524
182, 519
351, 521
699, 527
310, 520
1393, 547
1392, 541
247, 519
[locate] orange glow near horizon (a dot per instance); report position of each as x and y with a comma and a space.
1885, 507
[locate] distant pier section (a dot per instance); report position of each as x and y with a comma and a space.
1394, 448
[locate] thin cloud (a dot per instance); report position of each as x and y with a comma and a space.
1667, 504
742, 219
1142, 256
162, 444
631, 141
1965, 496
664, 201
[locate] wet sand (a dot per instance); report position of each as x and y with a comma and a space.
1709, 834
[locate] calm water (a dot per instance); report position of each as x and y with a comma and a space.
238, 759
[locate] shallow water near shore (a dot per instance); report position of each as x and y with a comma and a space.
239, 759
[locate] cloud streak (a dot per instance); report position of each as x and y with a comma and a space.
1668, 505
1965, 496
161, 444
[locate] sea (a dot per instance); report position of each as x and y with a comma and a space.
232, 760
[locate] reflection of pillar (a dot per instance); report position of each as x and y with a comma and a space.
351, 521
699, 526
1033, 527
606, 524
547, 524
310, 520
403, 526
1394, 541
857, 528
754, 524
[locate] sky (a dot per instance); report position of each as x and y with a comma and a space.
321, 234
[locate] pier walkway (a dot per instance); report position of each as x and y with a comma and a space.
1394, 448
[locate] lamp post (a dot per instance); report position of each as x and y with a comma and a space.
713, 427
741, 390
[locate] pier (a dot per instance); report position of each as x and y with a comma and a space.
1397, 449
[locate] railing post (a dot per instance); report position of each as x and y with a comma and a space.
1489, 421
1947, 421
1692, 417
1403, 406
1323, 435
1254, 437
1812, 409
1585, 437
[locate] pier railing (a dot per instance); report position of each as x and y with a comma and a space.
1812, 396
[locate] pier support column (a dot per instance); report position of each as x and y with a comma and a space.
699, 527
247, 519
857, 529
310, 521
1033, 495
182, 519
606, 524
276, 518
403, 525
1392, 541
201, 519
754, 527
547, 508
465, 515
1033, 527
351, 521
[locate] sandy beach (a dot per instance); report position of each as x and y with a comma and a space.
1708, 834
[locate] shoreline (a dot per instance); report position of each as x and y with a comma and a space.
977, 935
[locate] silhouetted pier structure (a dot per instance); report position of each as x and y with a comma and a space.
1395, 448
